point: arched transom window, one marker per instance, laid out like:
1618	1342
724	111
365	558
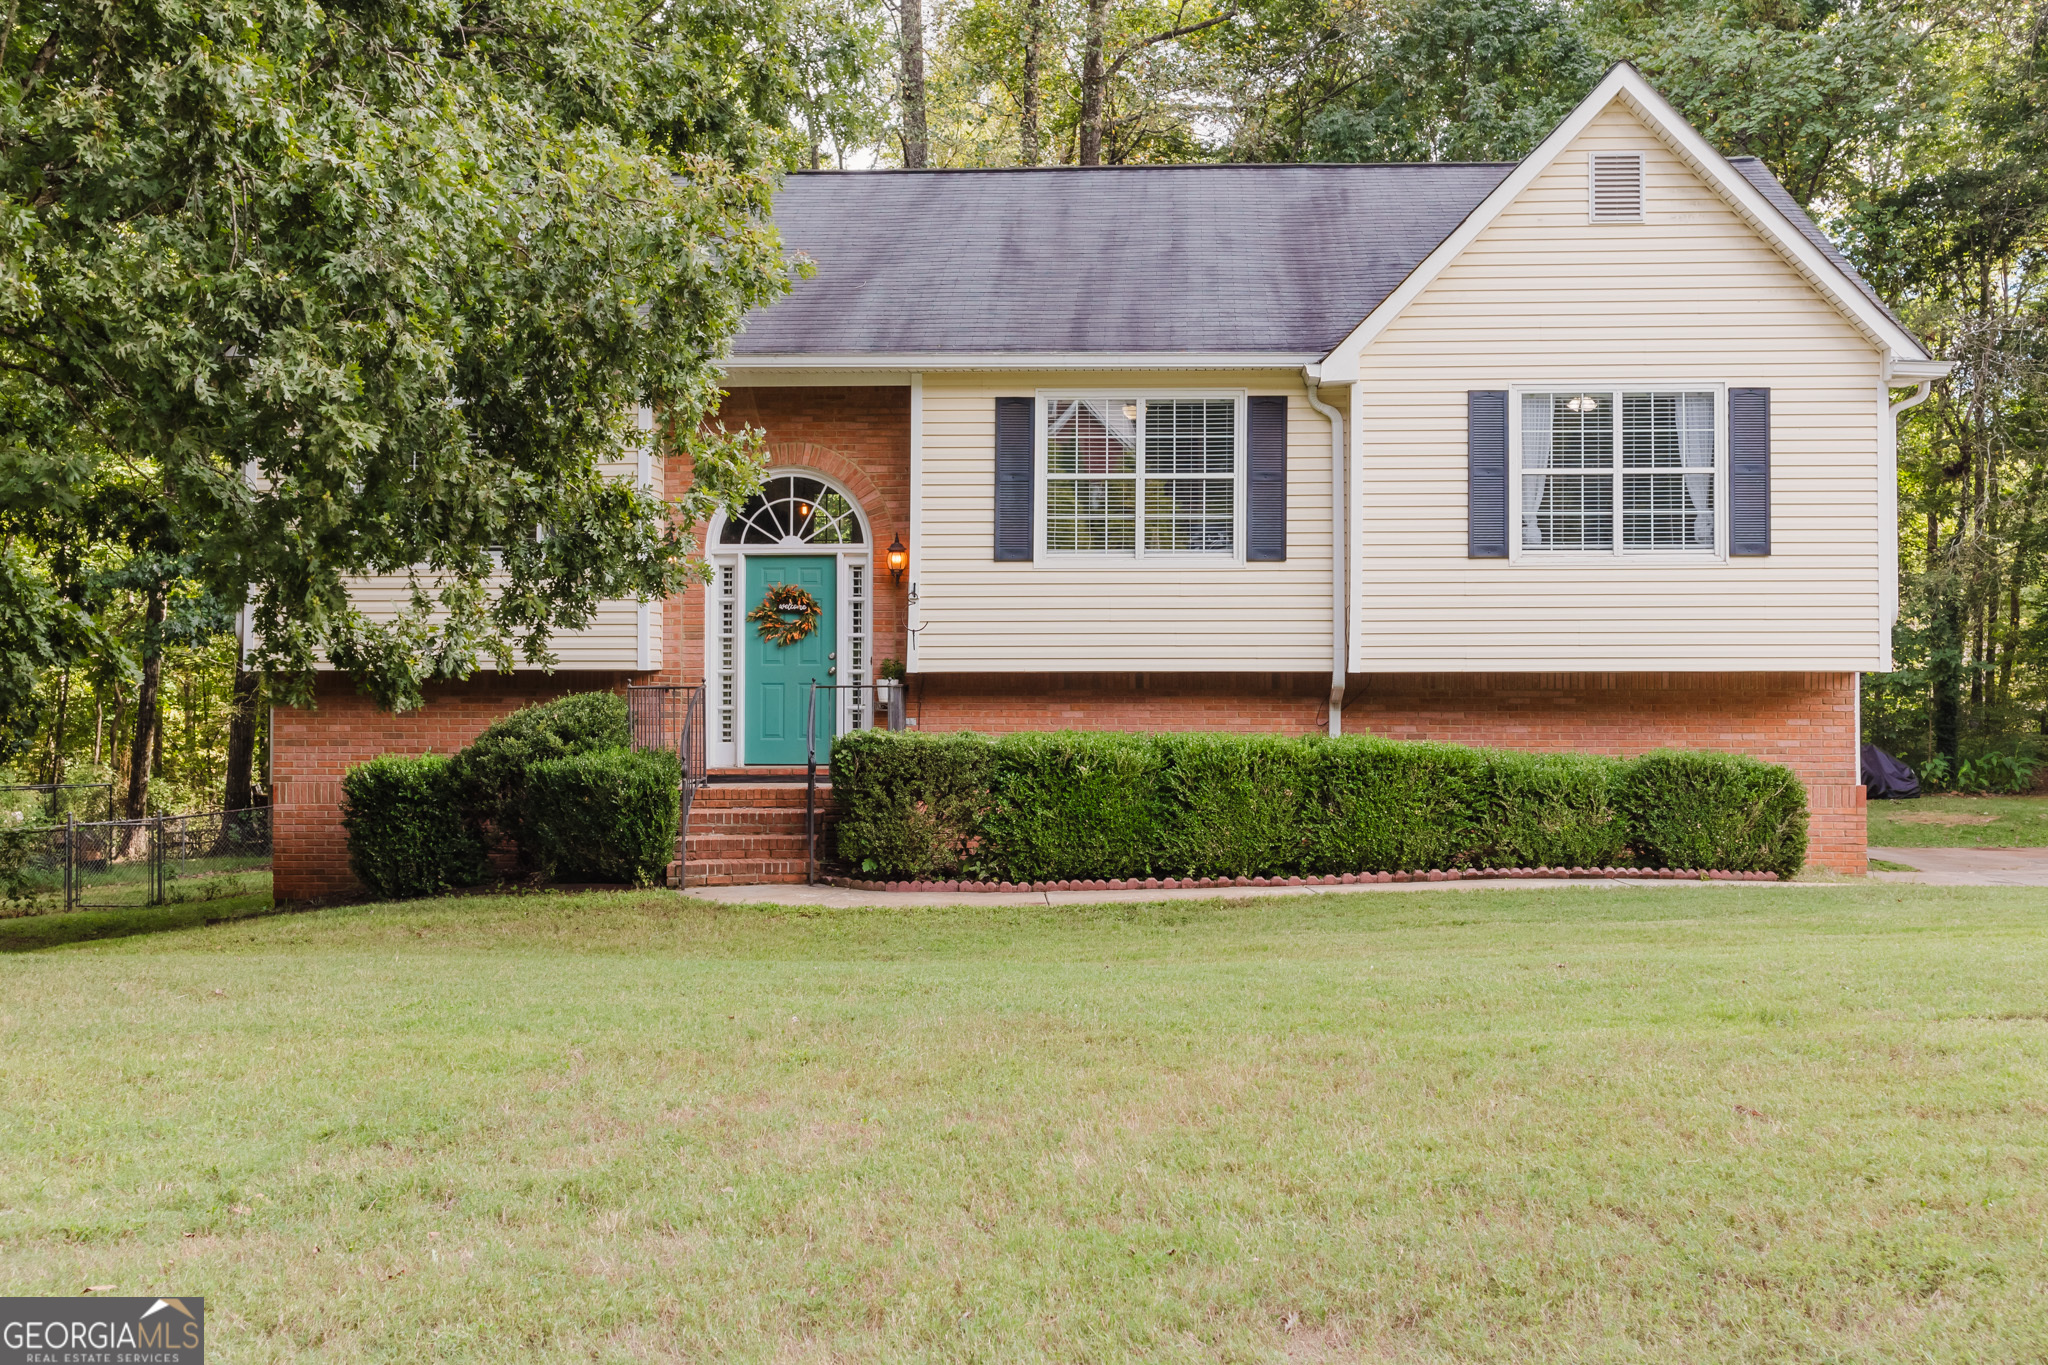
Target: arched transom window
794	507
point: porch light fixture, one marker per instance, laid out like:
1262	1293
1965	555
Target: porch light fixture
899	560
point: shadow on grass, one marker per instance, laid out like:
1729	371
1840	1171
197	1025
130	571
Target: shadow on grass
30	932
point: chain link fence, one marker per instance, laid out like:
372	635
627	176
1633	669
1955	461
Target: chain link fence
117	864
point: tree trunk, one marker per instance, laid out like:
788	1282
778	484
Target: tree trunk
146	706
57	733
1945	668
1027	117
916	146
1093	82
240	793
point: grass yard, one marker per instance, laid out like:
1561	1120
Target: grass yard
1725	1123
1960	822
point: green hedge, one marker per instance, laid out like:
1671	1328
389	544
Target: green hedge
1057	807
1691	809
609	816
406	836
490	776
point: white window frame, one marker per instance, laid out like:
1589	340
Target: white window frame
1518	551
1176	559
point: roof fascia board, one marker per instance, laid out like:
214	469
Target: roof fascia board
1624	81
1084	360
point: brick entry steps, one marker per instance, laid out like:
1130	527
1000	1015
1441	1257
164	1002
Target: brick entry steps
750	833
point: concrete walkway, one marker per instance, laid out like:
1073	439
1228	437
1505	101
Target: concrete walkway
1965	866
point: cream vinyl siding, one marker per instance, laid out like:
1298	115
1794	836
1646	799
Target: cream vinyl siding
1690	296
1177	614
611	643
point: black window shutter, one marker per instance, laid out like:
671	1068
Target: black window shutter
1749	471
1013	478
1266	495
1486	474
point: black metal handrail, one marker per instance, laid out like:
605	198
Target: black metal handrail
671	716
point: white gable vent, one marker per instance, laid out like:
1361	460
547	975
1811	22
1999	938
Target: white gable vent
1615	181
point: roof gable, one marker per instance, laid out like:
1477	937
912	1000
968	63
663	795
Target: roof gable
1774	216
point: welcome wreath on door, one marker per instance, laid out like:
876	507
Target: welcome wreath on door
787	614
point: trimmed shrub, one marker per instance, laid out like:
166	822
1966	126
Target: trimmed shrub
405	836
1386	806
1552	810
1235	805
606	816
1075	804
915	805
490	776
1719	811
1072	805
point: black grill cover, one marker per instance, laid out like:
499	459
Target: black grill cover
1886	778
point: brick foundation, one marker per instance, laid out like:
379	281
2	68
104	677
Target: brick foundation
997	703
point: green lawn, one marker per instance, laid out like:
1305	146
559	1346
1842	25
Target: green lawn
1960	822
1724	1123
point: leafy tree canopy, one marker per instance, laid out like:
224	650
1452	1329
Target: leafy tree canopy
368	287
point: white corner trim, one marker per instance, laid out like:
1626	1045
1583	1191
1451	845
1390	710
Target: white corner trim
913	615
1626	83
645	625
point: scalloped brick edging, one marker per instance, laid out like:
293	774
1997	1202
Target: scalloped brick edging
1348	879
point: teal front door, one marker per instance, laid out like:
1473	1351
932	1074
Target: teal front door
779	677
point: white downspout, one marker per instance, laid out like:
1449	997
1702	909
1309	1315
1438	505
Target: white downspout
1339	656
1890	496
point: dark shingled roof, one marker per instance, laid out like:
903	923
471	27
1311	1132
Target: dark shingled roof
1130	258
1162	259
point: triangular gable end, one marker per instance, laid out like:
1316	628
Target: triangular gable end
1626	84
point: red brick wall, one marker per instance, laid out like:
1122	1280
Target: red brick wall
996	703
314	747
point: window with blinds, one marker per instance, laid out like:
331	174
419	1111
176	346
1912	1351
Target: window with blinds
1142	476
1619	471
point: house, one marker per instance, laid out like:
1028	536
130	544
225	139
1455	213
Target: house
1590	451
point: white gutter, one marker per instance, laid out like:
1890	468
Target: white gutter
1339	657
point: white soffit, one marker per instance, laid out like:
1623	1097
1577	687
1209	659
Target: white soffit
1625	83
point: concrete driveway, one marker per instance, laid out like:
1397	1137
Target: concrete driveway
1966	866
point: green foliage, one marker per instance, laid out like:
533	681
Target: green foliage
420	266
405	837
609	815
2006	773
1554	810
1707	810
913	804
1054	807
1461	80
490	776
24	832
